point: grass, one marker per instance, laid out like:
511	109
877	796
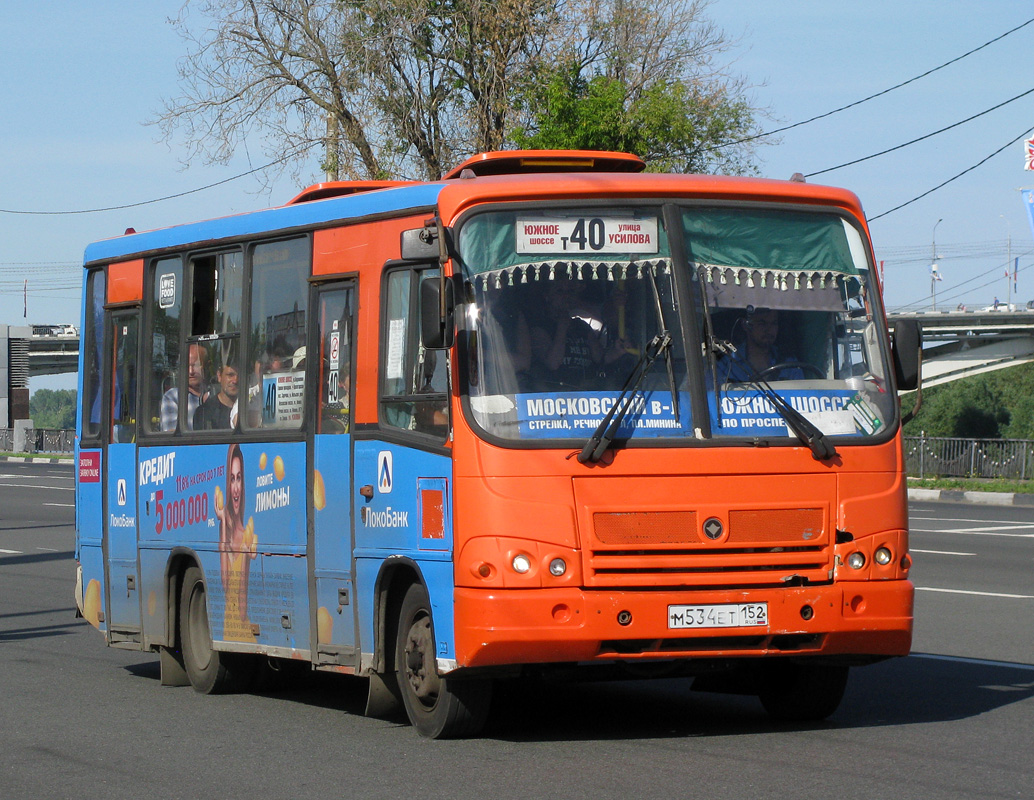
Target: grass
973	484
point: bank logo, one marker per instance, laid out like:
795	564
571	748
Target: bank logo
384	476
121	491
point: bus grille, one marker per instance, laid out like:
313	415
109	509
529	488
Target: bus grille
759	547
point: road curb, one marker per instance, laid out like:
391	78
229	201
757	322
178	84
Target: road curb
977	498
36	460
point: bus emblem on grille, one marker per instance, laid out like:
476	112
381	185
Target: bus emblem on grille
713	528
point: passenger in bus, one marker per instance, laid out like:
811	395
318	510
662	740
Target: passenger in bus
215	412
566	348
757	352
197	368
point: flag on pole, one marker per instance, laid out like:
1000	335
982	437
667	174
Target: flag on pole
934	273
1028	154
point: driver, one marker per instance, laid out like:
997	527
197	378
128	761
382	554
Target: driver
758	353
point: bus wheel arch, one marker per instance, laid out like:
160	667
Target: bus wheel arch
439	707
210	671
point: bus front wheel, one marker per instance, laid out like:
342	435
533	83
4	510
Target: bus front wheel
799	692
439	708
208	670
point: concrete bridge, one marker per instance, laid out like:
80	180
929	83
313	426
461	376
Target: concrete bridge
957	344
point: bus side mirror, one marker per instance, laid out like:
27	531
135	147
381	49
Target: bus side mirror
437	323
907	348
419	244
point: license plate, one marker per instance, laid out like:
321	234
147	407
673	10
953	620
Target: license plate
724	615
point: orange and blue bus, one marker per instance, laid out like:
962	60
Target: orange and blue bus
550	414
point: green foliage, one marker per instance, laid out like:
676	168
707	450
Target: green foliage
673	125
994	405
53	408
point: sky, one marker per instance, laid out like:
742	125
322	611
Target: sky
79	81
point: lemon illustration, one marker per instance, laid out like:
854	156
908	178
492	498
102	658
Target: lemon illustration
250	539
92	603
324	625
262	461
319	493
218	498
278	468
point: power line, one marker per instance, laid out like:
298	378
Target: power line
954	177
921	138
872	96
280	160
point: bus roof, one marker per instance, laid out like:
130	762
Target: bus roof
413	197
325	204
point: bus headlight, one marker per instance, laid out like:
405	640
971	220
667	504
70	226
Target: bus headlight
557	567
521	563
856	560
883	556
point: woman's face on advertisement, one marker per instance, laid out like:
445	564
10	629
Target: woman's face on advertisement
236	484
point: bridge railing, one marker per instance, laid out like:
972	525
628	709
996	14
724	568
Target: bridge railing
938	457
39	440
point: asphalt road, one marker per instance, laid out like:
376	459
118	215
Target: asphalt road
954	720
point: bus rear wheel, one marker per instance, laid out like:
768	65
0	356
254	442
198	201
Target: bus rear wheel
796	692
439	708
208	670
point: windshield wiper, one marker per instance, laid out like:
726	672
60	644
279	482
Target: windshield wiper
803	428
667	349
608	427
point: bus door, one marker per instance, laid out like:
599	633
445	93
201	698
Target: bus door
331	573
120	523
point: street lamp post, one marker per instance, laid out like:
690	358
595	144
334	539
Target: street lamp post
933	264
1008	266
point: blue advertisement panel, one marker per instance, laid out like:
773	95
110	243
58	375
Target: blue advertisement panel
835	412
242	509
565	415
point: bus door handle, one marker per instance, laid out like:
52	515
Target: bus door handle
367	491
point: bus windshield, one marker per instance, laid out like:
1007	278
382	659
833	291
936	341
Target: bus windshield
571	312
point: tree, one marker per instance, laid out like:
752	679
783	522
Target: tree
406	88
53	409
643	78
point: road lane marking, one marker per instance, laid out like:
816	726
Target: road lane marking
10	552
979	594
983	662
975	532
60	505
939	552
39	486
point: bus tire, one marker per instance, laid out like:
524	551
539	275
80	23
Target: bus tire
209	670
795	692
439	708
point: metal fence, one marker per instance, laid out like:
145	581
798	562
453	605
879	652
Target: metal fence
925	456
40	440
933	457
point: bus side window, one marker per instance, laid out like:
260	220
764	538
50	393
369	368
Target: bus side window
161	394
276	366
415	393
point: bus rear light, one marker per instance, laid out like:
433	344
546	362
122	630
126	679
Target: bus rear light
856	560
883	556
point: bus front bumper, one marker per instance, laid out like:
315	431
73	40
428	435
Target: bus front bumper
506	627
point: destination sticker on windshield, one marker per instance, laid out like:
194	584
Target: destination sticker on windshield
586	235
